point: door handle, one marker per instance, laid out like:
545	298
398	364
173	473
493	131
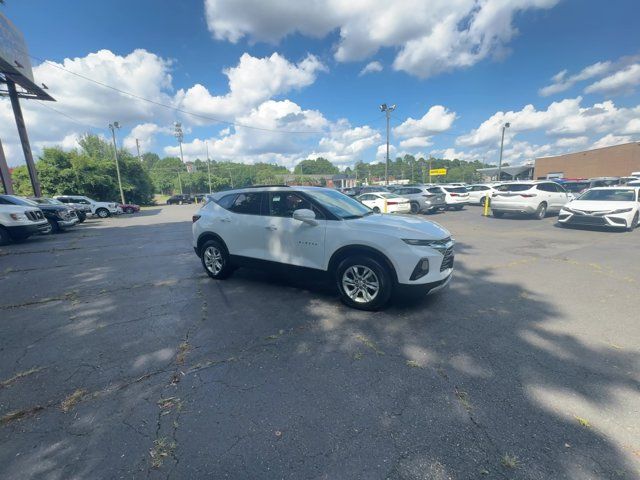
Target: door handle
271	227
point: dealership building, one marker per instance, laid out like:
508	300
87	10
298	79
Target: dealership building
615	161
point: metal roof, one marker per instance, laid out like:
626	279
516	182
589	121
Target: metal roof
513	171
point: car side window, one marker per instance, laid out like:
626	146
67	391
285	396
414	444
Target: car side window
227	201
435	190
411	191
283	204
248	203
560	188
546	187
63	200
366	197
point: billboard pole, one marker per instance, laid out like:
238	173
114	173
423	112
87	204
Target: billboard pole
24	138
5	176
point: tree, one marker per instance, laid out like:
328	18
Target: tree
318	166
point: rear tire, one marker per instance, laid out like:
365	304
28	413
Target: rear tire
102	212
5	238
376	210
363	283
541	211
415	208
215	260
498	214
128	210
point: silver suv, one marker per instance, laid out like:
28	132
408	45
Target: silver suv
422	199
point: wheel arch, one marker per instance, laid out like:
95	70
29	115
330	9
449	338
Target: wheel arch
356	249
205	237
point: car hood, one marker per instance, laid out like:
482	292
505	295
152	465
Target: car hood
599	206
404	227
52	208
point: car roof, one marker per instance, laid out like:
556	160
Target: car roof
618	187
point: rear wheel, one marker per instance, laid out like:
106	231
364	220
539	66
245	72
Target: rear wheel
363	283
102	212
128	210
541	211
5	238
376	210
215	260
415	208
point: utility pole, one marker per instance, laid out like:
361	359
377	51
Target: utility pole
504	127
138	149
208	166
113	126
387	110
177	132
429	169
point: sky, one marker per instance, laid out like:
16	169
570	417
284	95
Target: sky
282	80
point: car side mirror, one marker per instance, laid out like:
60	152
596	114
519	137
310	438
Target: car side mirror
305	215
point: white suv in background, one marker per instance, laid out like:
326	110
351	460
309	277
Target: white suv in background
18	223
367	254
535	198
455	196
101	209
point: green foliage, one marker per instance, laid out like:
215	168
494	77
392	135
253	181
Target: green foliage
315	167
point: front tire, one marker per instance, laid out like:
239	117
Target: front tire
102	212
363	283
541	211
215	260
5	238
128	210
634	223
415	208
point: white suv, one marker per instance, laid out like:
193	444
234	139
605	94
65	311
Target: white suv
535	198
18	223
365	253
101	209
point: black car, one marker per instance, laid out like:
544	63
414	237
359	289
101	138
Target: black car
59	217
179	199
80	212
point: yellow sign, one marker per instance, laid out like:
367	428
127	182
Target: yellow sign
434	172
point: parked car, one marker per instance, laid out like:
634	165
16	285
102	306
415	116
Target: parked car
18	222
455	197
385	202
129	207
615	207
604	182
421	199
536	198
479	193
366	255
179	199
576	186
80	211
100	209
60	217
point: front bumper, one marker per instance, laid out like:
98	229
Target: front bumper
609	221
405	259
67	223
430	288
31	229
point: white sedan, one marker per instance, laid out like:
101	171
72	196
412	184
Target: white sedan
616	207
385	202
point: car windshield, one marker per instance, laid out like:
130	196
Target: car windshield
514	187
456	189
22	201
609	195
339	204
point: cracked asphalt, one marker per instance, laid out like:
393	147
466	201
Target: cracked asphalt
527	367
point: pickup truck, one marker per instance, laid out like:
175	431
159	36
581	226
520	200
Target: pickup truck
19	223
100	209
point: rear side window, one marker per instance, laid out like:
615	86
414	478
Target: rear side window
411	191
515	187
456	189
247	203
547	187
434	190
227	201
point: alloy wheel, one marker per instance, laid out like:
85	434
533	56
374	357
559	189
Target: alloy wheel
360	283
213	260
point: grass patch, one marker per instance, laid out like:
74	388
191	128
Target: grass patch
19	375
370	344
413	364
162	448
18	414
72	400
510	461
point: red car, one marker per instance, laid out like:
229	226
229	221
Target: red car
129	207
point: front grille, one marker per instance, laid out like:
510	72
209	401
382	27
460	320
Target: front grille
34	215
447	261
587	220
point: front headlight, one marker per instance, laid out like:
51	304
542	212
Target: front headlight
19	217
622	210
421	243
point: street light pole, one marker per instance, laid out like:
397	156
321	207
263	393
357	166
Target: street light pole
177	132
138	149
113	126
504	127
387	110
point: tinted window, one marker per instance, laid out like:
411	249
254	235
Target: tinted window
247	203
515	187
64	200
227	201
412	191
456	189
338	204
367	196
283	204
434	190
575	186
547	187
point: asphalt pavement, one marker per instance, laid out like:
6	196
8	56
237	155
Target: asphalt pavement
122	359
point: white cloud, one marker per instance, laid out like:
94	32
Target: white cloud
610	140
371	67
346	144
572	142
145	133
451	154
437	120
622	81
432	37
415	142
562	83
381	153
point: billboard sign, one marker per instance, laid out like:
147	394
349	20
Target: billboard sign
14	56
434	172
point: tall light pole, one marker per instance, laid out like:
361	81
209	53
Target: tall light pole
138	149
504	127
113	126
177	132
208	166
387	110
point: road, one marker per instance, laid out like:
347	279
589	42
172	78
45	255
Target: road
122	359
